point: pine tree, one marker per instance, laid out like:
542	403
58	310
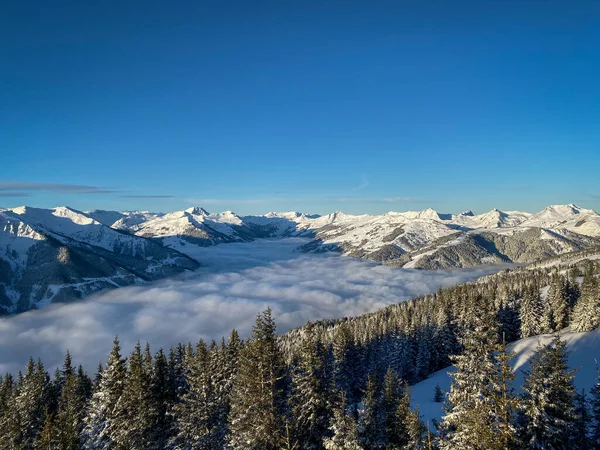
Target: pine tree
347	371
68	422
416	431
580	439
393	406
257	402
556	309
310	400
438	395
586	314
595	415
531	312
548	398
343	428
196	413
476	417
162	398
133	422
97	433
371	424
31	403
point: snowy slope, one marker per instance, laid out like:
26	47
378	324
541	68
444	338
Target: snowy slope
569	217
61	254
583	348
430	240
417	239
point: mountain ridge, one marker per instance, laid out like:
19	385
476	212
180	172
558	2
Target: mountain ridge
81	252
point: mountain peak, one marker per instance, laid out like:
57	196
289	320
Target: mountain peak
197	211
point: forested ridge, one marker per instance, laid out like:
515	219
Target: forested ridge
334	384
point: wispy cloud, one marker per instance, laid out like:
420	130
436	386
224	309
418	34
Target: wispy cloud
15	194
237	281
364	182
146	196
55	187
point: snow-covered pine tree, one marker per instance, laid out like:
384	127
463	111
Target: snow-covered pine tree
531	312
71	406
6	405
474	416
257	400
548	399
393	406
416	431
425	361
508	318
438	394
31	404
586	314
133	422
346	365
595	415
195	413
371	424
162	397
310	399
97	433
556	308
580	439
343	429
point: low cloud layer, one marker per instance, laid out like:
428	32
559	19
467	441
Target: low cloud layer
236	283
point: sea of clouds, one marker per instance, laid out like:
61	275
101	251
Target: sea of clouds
236	282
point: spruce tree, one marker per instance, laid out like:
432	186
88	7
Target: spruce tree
595	415
310	399
101	414
394	406
531	312
31	403
371	425
475	415
196	413
548	399
580	439
71	406
416	432
438	394
343	429
556	309
586	314
133	421
257	401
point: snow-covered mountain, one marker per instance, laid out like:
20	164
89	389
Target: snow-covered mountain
415	239
59	254
431	240
62	254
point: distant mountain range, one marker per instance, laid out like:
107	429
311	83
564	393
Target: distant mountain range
61	254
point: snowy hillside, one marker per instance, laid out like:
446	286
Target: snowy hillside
416	239
431	240
61	254
117	248
583	348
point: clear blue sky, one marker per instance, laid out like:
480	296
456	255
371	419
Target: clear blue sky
317	106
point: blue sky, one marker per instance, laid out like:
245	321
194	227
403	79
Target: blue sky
316	106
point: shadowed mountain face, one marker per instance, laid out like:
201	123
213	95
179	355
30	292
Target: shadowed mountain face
60	254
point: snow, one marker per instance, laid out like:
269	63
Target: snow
583	352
